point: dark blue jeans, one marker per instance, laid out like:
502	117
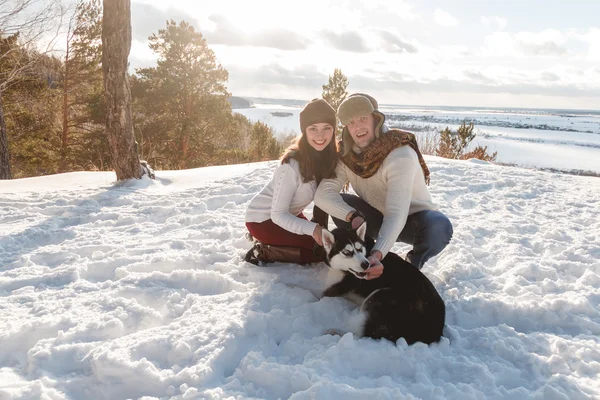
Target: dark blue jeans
428	231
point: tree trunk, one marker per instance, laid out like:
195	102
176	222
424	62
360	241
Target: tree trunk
185	135
184	147
65	131
116	43
4	153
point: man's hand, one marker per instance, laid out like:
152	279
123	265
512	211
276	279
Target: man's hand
355	218
356	222
318	235
376	268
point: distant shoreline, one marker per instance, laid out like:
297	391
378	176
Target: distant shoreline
577	172
576	111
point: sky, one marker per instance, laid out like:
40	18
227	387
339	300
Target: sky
526	53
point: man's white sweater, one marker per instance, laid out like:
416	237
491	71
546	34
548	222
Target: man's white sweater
283	199
397	190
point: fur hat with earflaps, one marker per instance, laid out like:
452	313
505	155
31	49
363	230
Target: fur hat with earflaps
357	105
317	111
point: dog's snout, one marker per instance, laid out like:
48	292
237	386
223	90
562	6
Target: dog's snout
364	265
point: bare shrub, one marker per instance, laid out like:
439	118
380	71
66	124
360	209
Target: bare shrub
453	144
428	142
480	153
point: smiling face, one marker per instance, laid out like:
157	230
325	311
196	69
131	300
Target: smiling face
319	135
362	130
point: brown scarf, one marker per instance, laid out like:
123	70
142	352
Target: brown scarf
369	160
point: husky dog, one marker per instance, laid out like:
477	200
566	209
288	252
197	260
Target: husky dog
401	303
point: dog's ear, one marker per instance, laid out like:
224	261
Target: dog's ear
328	240
362	230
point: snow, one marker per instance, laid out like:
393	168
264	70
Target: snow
140	291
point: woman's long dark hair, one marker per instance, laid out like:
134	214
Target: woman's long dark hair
314	164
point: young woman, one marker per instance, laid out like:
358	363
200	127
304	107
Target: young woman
274	216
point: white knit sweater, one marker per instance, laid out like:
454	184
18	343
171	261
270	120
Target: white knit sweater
397	190
283	198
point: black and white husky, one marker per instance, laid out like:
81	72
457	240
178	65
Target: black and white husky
401	303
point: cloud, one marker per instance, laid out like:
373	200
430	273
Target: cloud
346	41
224	33
549	76
147	19
495	23
280	39
307	80
398	8
141	56
477	76
450	86
227	34
592	38
499	44
466	87
306	76
453	51
369	40
544	49
394	44
549	42
443	18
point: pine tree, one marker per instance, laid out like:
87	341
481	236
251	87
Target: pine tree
334	92
29	109
28	22
81	83
32	108
263	145
8	59
183	100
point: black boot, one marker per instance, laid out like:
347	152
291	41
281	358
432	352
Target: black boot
252	255
268	253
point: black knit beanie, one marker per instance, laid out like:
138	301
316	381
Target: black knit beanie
317	111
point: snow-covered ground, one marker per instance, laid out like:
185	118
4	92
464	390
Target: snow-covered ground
567	140
140	291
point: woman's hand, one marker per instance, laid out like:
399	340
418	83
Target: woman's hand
318	235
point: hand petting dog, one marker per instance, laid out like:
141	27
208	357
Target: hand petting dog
376	268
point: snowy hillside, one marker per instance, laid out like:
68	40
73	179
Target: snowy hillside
140	290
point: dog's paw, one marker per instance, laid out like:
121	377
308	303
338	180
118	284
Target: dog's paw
334	332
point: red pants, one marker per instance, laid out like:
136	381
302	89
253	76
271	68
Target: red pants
268	232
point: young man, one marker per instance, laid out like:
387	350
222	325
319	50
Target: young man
387	171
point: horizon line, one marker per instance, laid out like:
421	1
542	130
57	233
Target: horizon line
595	110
